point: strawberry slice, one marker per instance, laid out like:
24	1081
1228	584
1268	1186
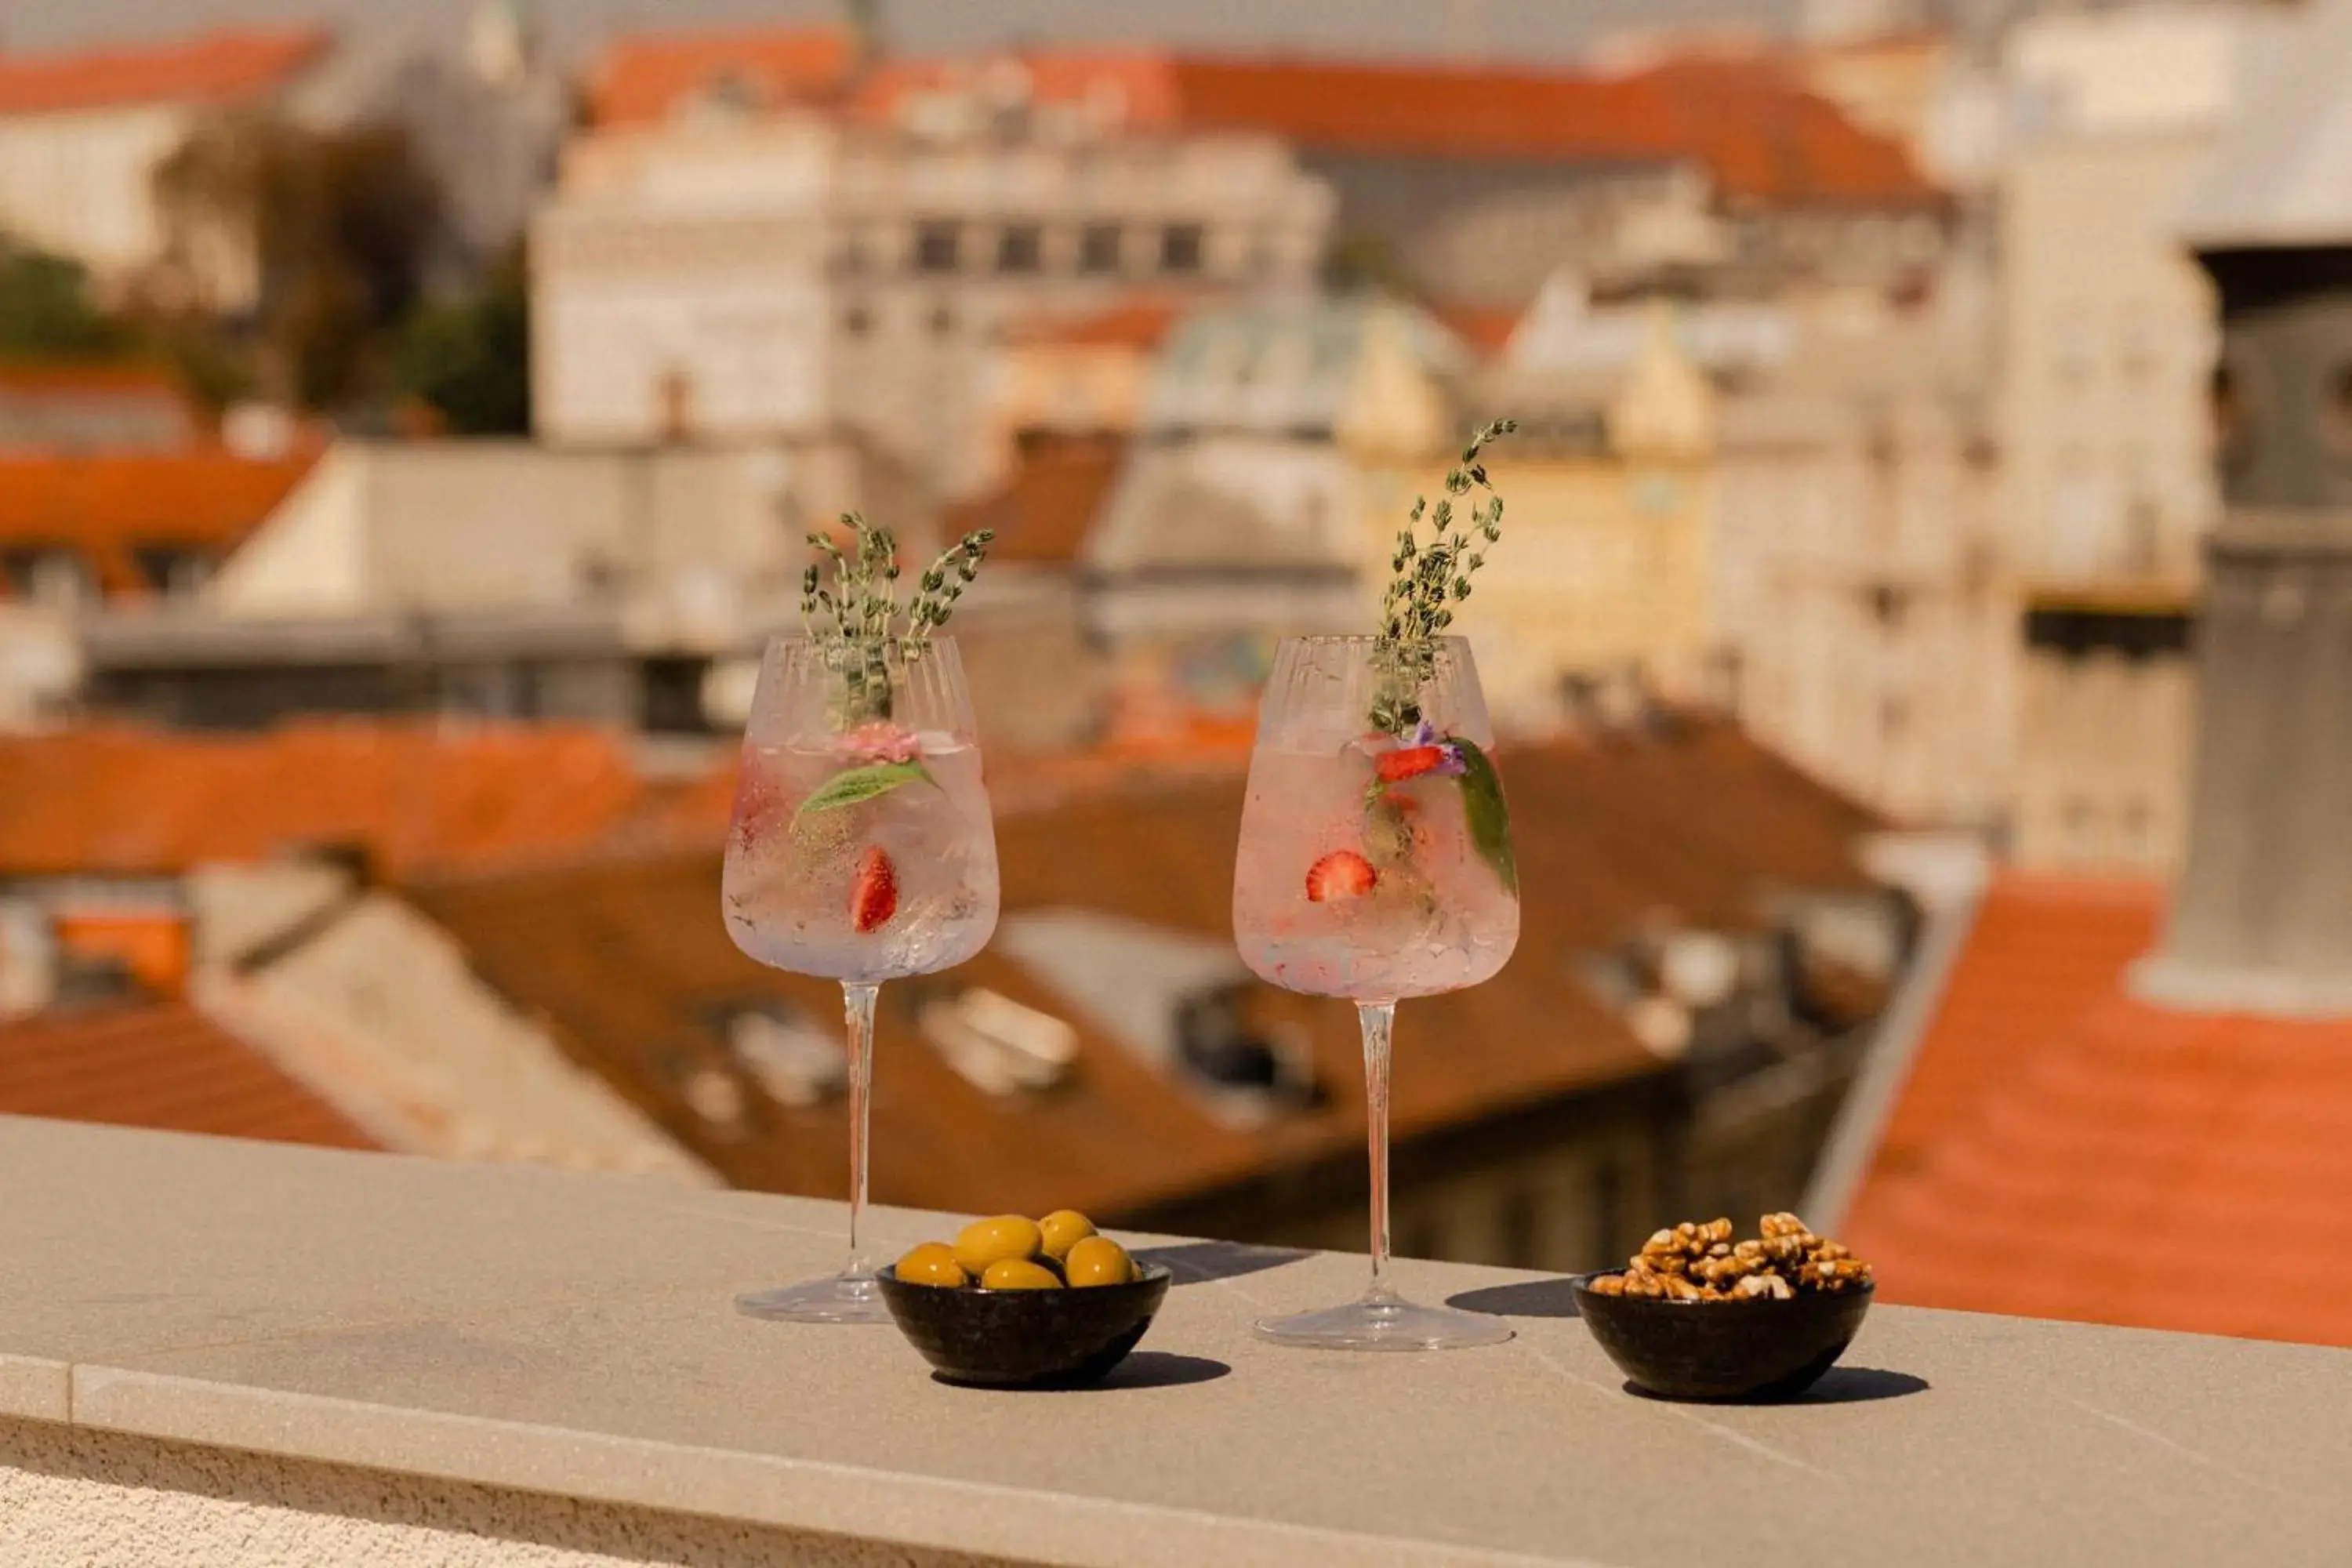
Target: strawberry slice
1395	767
874	896
1342	874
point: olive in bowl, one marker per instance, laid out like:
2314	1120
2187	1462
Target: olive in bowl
1028	1318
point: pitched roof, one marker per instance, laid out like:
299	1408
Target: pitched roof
164	1066
1758	132
106	505
2062	1150
212	68
1751	122
625	956
133	802
1047	505
644	77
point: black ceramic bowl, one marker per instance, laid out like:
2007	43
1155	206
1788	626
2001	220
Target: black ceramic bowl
1722	1349
1024	1339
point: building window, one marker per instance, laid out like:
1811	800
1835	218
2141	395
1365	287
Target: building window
173	571
2335	411
935	246
58	578
858	322
1180	248
676	395
1099	248
943	319
1019	248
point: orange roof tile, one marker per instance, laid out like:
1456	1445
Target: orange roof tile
1044	512
107	505
1483	328
623	957
131	802
166	1067
1760	133
2063	1151
1136	323
644	77
215	67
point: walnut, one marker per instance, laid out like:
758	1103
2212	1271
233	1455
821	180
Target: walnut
1609	1284
1762	1286
1702	1262
1835	1274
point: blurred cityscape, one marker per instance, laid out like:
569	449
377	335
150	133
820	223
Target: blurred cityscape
406	445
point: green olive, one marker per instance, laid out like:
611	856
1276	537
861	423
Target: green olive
987	1241
933	1263
1063	1229
1098	1260
1018	1274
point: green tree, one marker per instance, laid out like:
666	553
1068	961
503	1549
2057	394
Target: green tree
45	310
470	359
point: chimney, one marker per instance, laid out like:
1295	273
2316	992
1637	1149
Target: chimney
2262	917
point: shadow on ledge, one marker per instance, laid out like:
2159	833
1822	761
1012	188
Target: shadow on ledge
1144	1369
1528	1298
1839	1385
1198	1262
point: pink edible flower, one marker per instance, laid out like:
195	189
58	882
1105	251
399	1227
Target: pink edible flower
879	741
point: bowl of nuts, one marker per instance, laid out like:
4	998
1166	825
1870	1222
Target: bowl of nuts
1019	1303
1698	1315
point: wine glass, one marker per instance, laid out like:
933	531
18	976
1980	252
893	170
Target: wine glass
862	850
1375	864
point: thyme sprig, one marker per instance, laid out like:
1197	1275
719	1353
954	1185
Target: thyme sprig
855	621
1430	580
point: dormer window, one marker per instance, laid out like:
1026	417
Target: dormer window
997	1043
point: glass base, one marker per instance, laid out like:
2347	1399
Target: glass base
1385	1324
842	1299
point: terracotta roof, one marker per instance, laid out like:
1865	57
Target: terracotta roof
166	1067
1047	506
1759	133
644	77
105	506
50	406
214	68
624	957
131	802
1136	323
1484	328
2063	1151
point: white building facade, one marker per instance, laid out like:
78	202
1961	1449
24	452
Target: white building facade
717	276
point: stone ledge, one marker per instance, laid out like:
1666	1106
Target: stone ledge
572	1336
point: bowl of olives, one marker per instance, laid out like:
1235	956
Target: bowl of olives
1019	1303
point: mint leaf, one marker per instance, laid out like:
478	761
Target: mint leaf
1489	819
852	785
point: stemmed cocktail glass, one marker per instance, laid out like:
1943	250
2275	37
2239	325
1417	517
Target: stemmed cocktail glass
1375	864
861	850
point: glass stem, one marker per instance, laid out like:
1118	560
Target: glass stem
857	1008
1378	1020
